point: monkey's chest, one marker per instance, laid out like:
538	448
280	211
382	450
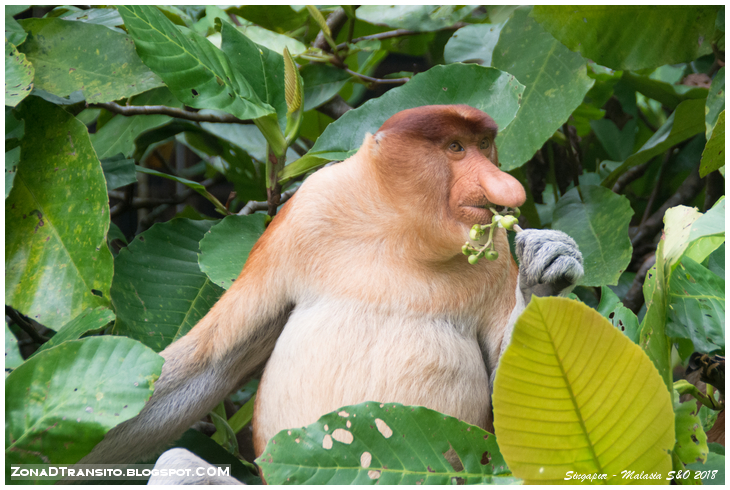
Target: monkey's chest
341	354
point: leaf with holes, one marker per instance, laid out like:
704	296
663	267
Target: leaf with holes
384	444
159	291
57	262
88	321
495	92
598	221
70	56
573	394
659	34
60	403
225	247
199	74
697	306
556	80
691	445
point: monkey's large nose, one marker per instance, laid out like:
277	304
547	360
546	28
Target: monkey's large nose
500	187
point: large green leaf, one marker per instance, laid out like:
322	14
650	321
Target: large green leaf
13	359
572	394
57	262
414	17
225	247
60	403
668	94
70	56
686	121
159	292
473	44
279	18
119	171
697	306
321	83
690	233
715	101
119	133
384	444
493	91
261	67
87	321
13	32
713	156
598	221
555	81
199	74
632	36
18	75
652	337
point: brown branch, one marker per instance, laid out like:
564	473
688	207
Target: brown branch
335	21
573	148
632	174
253	206
685	193
398	33
335	108
376	81
146	110
634	297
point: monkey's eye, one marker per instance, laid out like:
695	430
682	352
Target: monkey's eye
455	146
484	144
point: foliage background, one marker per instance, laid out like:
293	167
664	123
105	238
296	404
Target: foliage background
146	146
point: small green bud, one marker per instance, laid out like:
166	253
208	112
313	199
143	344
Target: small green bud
465	249
492	255
516	213
508	222
473	259
496	217
476	232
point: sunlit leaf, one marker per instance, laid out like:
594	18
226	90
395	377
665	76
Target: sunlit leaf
57	262
385	444
18	75
574	394
691	445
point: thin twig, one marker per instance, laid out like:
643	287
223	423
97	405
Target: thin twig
335	108
376	81
632	174
335	21
253	206
146	110
573	147
634	297
398	33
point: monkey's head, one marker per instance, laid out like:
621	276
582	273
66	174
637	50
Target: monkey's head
442	159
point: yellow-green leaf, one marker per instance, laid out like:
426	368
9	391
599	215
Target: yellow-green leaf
292	83
319	19
574	394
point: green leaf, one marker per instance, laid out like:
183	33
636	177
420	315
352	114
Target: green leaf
652	337
713	156
88	320
598	221
686	121
697	306
12	159
715	101
197	73
490	90
57	262
261	67
272	40
60	403
691	445
385	444
668	94
626	321
225	247
713	469
119	171
118	134
573	394
101	16
716	262
473	44
677	228
618	143
609	302
196	186
14	34
659	34
414	17
279	18
159	292
70	56
555	79
321	83
13	359
707	233
18	75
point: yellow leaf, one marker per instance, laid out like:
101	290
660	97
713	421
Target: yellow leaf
572	393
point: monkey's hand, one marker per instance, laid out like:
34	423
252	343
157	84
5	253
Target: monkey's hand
550	263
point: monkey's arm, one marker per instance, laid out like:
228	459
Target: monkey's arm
201	368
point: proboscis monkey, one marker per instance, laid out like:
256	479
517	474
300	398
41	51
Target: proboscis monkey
358	291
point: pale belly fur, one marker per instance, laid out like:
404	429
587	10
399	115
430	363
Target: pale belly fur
346	353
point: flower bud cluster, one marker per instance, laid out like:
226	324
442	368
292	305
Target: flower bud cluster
507	219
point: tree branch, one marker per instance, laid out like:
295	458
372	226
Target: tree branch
398	33
384	81
634	297
335	21
253	206
146	110
335	108
632	174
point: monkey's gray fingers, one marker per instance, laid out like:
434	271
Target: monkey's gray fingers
185	468
550	262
